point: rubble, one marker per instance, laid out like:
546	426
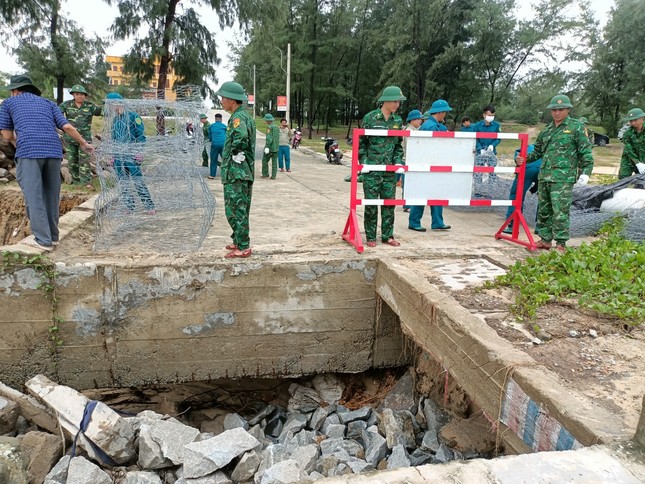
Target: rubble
8	416
42	451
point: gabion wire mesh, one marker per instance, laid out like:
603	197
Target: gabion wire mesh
153	196
584	222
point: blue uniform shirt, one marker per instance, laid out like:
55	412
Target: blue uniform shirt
128	128
493	127
217	133
469	129
34	119
432	124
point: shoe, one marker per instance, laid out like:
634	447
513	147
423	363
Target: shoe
288	171
34	243
445	227
418	229
406	209
243	254
282	170
231	247
371	243
211	177
265	176
392	242
543	244
55	243
272	178
508	230
560	248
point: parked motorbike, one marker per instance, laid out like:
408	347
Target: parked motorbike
332	150
297	137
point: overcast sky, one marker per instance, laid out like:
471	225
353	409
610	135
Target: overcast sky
96	17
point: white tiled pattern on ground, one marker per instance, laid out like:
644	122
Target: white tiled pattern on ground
458	274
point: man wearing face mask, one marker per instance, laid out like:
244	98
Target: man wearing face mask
487	125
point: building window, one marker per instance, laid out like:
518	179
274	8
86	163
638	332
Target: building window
115	68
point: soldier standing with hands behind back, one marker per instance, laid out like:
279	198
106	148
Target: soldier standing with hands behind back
271	148
565	151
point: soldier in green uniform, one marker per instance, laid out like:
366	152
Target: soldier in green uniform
271	148
381	150
585	122
79	113
633	159
566	156
238	164
205	125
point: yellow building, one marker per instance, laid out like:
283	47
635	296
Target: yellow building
116	77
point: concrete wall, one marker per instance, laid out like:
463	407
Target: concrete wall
131	325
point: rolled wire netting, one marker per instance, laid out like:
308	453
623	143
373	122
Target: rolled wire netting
153	195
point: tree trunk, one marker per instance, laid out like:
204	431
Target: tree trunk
56	47
164	62
312	77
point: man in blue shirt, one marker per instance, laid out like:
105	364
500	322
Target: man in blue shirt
466	126
487	125
217	137
435	115
530	183
39	153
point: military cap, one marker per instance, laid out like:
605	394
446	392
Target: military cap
21	81
392	93
203	116
560	102
232	90
269	117
77	88
414	114
635	114
439	106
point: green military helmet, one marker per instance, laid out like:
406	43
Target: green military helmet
635	113
269	117
77	88
232	90
583	120
203	116
392	93
560	102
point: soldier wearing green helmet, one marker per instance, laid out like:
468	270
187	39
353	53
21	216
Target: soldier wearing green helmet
271	147
238	167
590	135
381	150
632	160
566	156
79	112
205	127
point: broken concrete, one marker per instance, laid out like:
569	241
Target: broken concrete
12	466
82	471
8	416
42	451
31	409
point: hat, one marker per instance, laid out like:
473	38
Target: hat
232	90
269	117
113	95
414	114
560	102
635	113
439	106
77	88
203	116
392	93
21	81
583	120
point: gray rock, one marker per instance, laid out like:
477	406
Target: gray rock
216	478
329	446
215	426
270	456
360	414
315	475
305	437
9	413
375	447
275	422
398	458
141	477
41	450
306	457
573	333
303	399
161	443
234	421
341	469
329	387
401	396
593	333
202	458
334	431
398	428
341	409
355	429
262	414
58	475
318	417
82	471
326	464
247	466
430	441
330	420
257	432
444	454
435	417
359	465
294	424
283	472
374	419
12	466
421	457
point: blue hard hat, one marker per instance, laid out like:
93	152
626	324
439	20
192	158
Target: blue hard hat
113	95
414	114
439	106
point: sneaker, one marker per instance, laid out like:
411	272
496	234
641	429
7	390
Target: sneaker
55	243
508	230
34	243
282	169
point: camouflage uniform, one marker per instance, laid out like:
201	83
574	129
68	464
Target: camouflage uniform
205	151
380	150
272	142
78	161
633	152
566	153
237	178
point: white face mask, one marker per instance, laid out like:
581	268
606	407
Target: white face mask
489	119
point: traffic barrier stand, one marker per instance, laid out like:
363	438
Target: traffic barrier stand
352	231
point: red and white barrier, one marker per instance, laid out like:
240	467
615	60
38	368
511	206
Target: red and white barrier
352	233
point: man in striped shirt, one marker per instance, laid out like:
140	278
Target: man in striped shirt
30	122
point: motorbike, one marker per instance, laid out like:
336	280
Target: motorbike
297	136
332	150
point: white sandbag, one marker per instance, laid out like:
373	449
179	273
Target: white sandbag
625	199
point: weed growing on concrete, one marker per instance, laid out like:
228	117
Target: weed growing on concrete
607	276
13	261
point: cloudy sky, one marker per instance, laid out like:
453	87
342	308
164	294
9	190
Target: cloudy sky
96	16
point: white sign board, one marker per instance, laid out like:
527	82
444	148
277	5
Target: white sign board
422	153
